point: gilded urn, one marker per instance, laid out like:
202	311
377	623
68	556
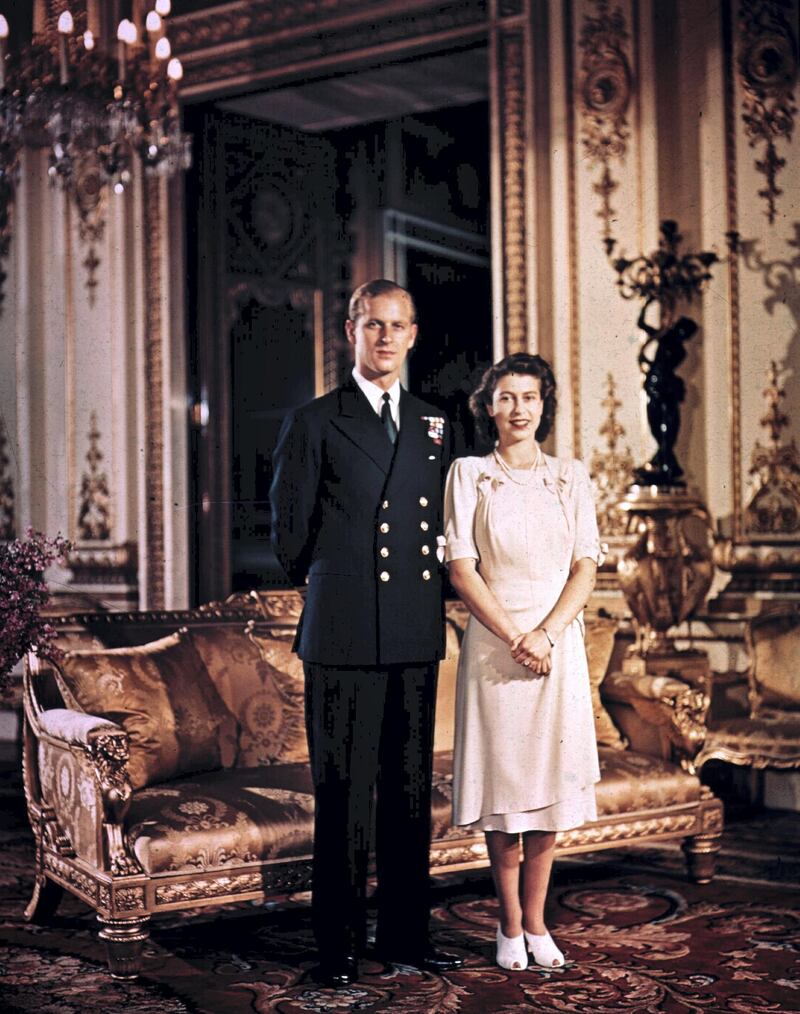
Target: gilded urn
668	570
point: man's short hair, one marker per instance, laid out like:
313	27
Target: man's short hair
378	287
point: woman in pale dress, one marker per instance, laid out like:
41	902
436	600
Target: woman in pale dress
522	549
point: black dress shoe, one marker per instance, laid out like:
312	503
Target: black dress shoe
431	959
338	972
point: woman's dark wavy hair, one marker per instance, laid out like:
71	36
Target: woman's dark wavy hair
520	363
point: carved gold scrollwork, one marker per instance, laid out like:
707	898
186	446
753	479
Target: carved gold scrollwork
472	854
596	834
768	65
7	523
512	74
52	834
270	605
109	754
612	468
224	44
774	507
82	882
688	730
89	191
94	514
110	758
605	91
128	899
104	564
154	211
211	888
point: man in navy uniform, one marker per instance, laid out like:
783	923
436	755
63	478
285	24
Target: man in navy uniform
356	509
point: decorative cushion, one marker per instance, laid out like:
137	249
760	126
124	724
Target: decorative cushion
223	819
600	635
261	680
161	694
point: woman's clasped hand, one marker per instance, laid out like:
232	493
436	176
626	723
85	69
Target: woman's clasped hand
533	650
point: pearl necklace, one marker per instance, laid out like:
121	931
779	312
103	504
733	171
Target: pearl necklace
529	472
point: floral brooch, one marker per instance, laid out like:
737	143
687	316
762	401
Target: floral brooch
492	480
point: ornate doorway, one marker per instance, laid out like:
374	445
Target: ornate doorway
290	216
267	266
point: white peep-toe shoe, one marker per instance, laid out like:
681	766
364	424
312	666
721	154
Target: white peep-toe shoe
544	950
511	952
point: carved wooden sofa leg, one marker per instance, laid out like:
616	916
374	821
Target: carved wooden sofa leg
124	939
701	856
46	898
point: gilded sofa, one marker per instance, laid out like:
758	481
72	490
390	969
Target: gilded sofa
165	764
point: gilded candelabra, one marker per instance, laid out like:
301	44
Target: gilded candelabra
668	570
665	279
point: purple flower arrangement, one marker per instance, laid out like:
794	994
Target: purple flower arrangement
23	595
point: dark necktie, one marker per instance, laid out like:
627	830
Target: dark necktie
386	419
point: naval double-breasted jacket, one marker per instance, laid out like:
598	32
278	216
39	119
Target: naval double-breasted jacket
357	519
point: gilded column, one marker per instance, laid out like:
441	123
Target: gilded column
510	77
154	212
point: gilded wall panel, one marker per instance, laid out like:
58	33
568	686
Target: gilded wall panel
513	145
763	64
606	219
240	46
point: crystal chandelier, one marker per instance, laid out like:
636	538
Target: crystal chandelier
99	92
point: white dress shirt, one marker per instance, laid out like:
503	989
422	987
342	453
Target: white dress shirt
375	395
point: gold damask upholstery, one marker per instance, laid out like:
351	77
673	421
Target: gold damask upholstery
770	736
599	639
222	819
68	784
175	774
162	696
629	783
260	679
633	782
773	639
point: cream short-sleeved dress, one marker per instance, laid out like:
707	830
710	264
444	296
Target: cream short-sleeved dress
525	749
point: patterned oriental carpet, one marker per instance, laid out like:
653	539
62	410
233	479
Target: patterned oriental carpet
638	938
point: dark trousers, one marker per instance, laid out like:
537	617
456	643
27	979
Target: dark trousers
370	735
